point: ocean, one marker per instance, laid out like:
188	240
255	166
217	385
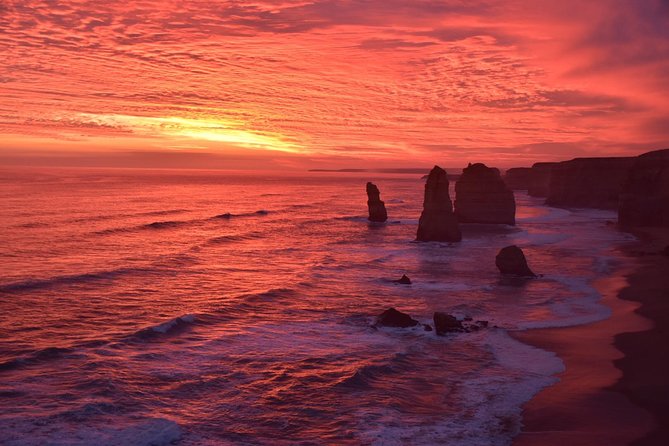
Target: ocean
157	307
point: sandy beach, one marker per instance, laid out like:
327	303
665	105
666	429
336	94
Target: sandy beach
614	388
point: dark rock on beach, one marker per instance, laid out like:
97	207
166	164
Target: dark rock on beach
644	200
511	260
482	197
588	182
446	323
404	280
393	318
437	221
377	208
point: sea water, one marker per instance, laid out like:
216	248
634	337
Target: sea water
155	307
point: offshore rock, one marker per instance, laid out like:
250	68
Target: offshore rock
393	318
437	221
644	200
377	208
482	197
588	182
445	323
511	260
518	178
404	280
540	179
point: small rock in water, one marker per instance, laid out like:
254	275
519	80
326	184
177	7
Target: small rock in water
511	260
445	323
427	327
404	280
393	318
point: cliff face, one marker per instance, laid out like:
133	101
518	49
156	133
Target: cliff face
437	221
376	207
588	182
518	178
540	179
644	200
482	197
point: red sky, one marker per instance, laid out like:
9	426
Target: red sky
298	84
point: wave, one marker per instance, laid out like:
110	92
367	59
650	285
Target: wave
364	377
163	224
173	326
172	224
229	215
44	354
36	284
222	239
135	214
156	225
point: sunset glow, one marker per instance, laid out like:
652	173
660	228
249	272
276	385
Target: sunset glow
342	83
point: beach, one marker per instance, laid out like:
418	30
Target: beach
614	388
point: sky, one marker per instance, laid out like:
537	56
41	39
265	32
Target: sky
295	84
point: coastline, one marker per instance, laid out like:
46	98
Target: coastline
614	388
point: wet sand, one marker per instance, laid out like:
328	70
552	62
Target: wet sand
614	390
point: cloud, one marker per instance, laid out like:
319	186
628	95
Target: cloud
369	79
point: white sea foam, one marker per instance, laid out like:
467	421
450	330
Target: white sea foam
150	432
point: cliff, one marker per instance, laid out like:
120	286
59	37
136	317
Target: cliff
482	197
540	179
644	200
588	182
518	178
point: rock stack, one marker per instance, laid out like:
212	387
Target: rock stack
377	208
482	197
644	200
511	260
437	221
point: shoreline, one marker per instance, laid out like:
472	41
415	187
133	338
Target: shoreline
614	387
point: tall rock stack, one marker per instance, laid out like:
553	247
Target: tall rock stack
437	221
588	182
644	200
540	179
377	208
481	196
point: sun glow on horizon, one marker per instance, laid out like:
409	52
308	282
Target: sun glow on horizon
204	129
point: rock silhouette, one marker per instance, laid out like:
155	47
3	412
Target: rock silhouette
437	221
404	280
511	260
518	178
393	318
377	208
540	179
482	197
445	323
644	200
588	182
